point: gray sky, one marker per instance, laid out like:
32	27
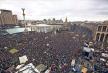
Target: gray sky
59	9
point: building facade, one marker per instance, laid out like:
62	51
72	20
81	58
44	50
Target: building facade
102	33
66	25
44	27
6	17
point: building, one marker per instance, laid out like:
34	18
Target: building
15	20
66	25
92	26
6	17
102	33
44	27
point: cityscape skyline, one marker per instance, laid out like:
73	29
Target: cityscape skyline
74	10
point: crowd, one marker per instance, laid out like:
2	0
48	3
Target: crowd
41	48
55	50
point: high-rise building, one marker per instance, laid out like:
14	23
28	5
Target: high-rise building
6	17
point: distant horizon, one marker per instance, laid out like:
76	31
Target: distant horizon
74	10
57	18
68	20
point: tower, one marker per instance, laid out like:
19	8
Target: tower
66	24
66	20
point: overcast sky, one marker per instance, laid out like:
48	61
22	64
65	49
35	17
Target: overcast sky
59	9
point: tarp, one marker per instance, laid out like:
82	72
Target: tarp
30	68
19	66
41	67
23	59
13	51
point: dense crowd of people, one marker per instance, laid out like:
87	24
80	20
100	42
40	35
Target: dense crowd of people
55	50
41	48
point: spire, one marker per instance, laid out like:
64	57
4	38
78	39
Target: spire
66	20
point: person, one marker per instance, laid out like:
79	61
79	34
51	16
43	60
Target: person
84	69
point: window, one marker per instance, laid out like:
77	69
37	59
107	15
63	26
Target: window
97	36
102	37
99	28
104	28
